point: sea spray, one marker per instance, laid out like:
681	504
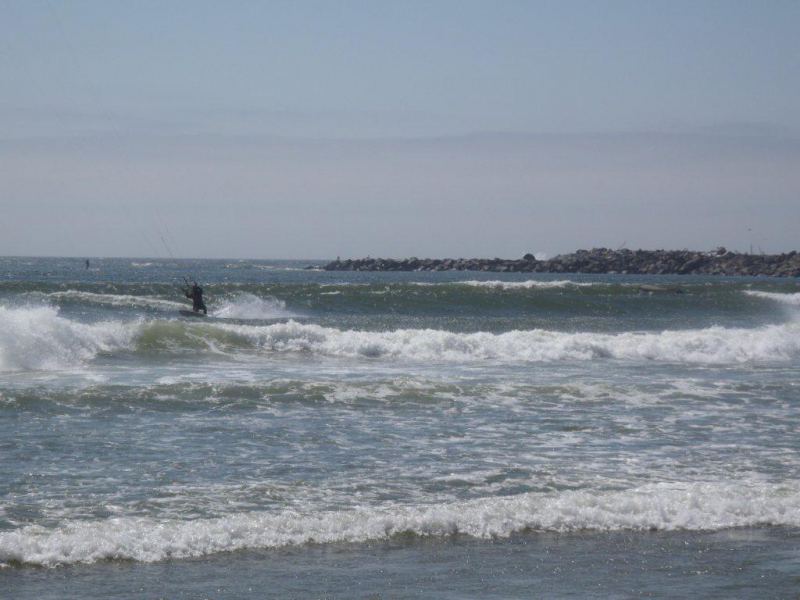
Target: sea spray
37	338
250	306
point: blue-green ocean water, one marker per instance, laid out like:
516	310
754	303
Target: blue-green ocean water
395	435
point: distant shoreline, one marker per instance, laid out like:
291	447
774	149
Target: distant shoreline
598	260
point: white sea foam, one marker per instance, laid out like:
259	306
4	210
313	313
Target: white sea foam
250	306
37	338
118	299
279	268
790	299
662	507
527	284
714	345
511	285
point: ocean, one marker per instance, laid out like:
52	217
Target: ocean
395	435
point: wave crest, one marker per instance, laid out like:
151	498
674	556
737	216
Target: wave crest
785	298
124	300
37	338
527	284
661	507
250	306
714	345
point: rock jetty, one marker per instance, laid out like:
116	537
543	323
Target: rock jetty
598	260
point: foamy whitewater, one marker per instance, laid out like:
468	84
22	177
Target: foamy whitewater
661	506
527	284
396	421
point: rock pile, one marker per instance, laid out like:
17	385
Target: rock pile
598	260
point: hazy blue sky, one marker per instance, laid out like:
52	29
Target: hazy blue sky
316	129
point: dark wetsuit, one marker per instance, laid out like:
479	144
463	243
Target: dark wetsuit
196	294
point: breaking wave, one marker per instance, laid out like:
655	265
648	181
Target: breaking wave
790	299
250	306
661	507
496	284
38	338
126	300
714	345
528	284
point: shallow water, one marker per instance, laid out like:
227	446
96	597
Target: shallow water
402	434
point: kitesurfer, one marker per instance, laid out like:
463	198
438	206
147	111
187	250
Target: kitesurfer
195	293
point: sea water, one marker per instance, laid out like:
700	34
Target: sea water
394	435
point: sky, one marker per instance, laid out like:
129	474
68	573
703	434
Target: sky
439	128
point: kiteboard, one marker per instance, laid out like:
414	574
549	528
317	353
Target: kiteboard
191	313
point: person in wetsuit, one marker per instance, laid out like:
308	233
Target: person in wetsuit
195	292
